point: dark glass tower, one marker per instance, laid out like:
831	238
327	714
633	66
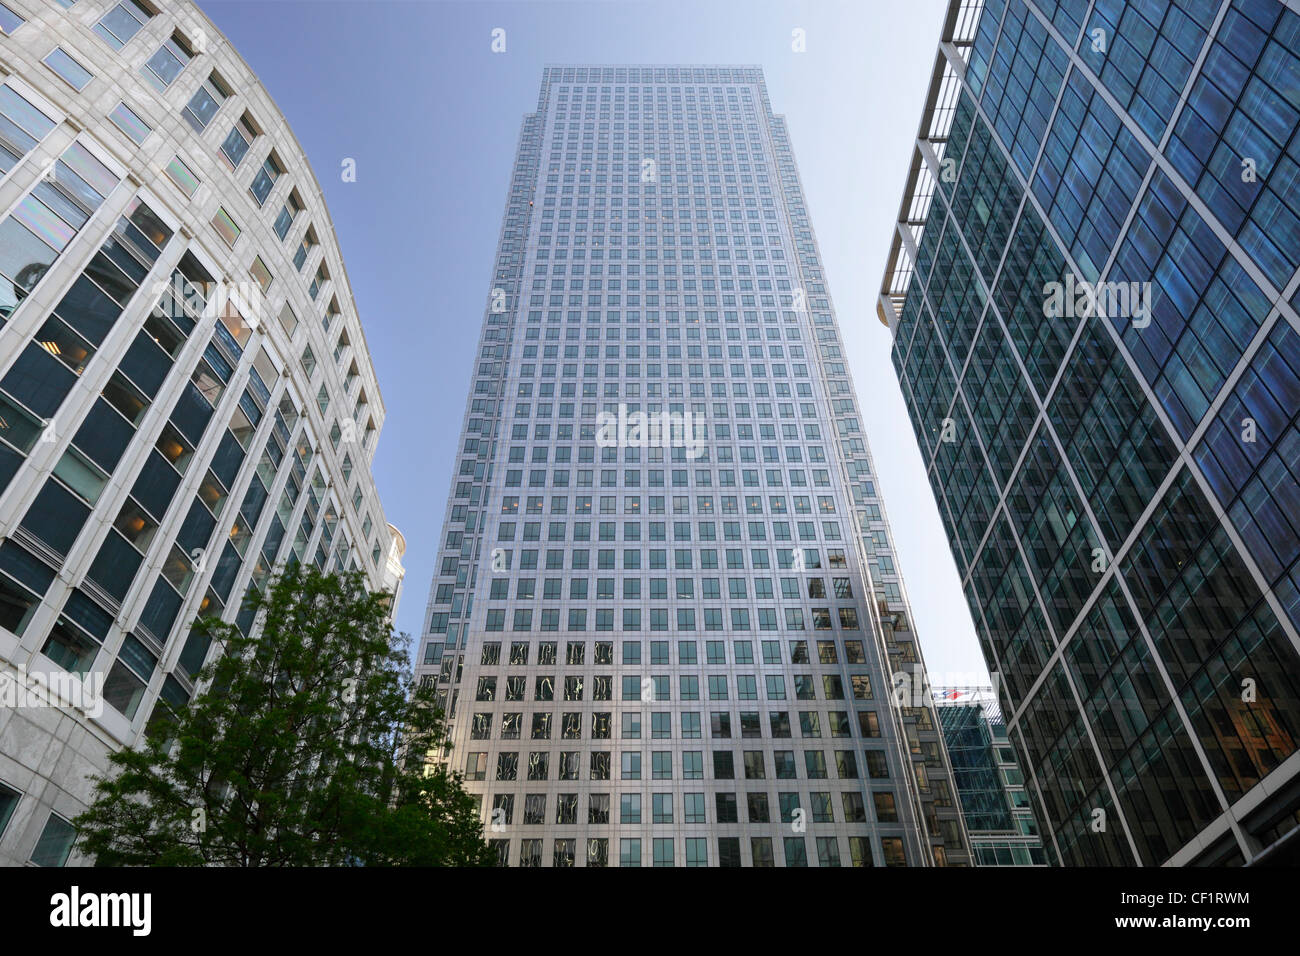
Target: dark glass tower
675	655
1119	483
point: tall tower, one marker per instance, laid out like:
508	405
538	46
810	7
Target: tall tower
676	648
186	399
1093	298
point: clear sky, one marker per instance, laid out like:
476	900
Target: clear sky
411	90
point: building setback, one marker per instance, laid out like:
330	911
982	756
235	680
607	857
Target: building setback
186	398
1119	483
674	651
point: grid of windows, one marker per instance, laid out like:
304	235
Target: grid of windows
685	609
1121	488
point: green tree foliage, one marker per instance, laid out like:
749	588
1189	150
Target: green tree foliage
308	748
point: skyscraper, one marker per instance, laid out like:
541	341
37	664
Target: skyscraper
1093	299
186	398
673	643
990	785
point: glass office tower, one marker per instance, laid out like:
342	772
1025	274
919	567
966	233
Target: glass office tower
990	784
186	398
1118	477
674	648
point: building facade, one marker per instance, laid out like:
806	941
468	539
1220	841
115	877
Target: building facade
1093	298
674	646
186	398
990	784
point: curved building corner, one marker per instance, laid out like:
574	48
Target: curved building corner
186	396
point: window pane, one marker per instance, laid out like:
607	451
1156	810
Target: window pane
203	105
182	176
9	22
55	844
125	119
225	227
9	798
121	23
76	75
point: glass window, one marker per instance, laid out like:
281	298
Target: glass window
125	119
183	177
166	64
892	849
9	798
225	227
121	23
123	690
17	605
68	69
629	852
237	142
22	126
9	21
205	102
697	853
55	844
261	273
292	206
265	179
629	808
663	851
79	474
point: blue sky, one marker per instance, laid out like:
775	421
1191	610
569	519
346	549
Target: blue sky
412	91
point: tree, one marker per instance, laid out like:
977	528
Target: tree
309	747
